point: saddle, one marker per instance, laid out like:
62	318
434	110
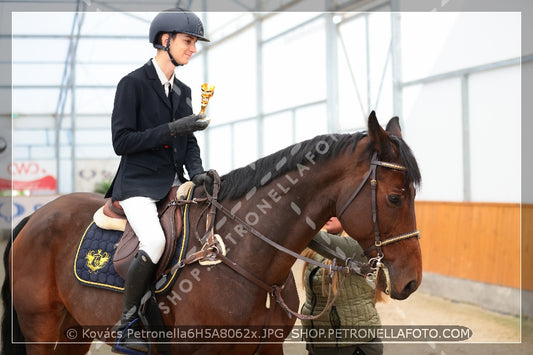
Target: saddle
111	216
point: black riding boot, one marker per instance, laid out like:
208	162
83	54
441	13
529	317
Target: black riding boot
140	274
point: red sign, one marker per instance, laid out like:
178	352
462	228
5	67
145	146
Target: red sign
30	175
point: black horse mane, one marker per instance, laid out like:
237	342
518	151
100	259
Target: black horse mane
240	181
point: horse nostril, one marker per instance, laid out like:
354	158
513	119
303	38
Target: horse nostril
409	288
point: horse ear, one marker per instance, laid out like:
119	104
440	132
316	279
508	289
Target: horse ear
379	138
393	127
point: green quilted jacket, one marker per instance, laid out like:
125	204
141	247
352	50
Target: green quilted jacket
354	306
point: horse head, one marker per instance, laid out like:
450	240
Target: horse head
386	231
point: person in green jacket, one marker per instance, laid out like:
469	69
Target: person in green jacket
332	333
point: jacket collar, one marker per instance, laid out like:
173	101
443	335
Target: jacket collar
151	74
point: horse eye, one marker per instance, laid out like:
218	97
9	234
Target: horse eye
395	199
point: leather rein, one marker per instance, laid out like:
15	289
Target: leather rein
211	251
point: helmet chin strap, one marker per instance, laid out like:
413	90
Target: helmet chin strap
167	49
176	64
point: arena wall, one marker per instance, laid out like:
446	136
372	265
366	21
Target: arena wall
472	250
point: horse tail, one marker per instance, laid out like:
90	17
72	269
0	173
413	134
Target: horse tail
11	332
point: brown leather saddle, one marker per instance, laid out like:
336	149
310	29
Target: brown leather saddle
171	222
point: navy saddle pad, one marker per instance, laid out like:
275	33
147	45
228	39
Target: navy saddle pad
93	263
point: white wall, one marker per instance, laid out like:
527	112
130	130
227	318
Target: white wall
287	98
465	128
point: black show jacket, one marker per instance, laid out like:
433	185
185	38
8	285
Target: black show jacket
150	156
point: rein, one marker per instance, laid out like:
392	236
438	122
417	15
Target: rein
211	250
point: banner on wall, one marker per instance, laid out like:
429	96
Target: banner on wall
91	173
32	176
13	210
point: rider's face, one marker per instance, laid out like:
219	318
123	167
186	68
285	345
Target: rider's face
182	47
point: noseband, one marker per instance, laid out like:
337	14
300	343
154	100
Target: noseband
375	262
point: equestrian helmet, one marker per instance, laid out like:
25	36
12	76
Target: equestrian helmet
177	20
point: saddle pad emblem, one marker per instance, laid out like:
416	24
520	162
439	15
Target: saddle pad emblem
96	260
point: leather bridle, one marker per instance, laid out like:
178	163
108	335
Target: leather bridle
369	270
375	262
378	243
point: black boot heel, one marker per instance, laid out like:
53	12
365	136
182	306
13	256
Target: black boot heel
138	280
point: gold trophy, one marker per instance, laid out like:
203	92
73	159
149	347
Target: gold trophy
207	91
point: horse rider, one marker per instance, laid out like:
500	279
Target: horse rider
152	130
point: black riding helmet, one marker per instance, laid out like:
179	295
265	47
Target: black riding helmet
175	21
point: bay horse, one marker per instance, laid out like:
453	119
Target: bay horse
286	196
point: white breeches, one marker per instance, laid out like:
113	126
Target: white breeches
142	216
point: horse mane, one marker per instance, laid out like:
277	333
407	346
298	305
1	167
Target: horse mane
261	172
238	182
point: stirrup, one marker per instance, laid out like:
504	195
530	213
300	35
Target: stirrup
119	348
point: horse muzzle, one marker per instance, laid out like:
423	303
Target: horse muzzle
398	288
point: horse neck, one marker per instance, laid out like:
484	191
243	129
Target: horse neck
289	210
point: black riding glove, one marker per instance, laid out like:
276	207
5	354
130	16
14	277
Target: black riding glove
202	178
188	124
